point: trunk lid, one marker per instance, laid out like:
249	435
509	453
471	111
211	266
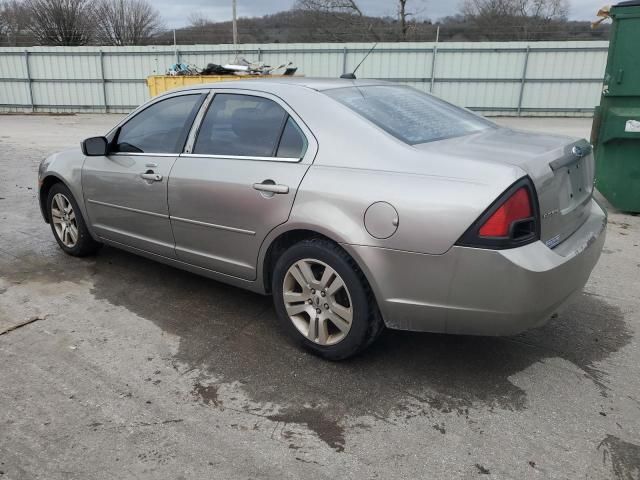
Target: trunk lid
561	168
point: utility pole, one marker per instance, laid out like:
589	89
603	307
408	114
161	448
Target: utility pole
175	46
235	27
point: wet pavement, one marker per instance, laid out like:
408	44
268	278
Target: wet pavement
125	368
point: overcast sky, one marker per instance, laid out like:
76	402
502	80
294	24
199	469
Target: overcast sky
176	13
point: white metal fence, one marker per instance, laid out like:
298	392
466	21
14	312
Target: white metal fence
499	78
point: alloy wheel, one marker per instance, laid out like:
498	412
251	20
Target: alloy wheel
317	301
64	220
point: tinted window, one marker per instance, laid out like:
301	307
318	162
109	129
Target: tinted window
408	114
241	125
161	128
293	143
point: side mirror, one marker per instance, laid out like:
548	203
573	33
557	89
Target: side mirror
95	146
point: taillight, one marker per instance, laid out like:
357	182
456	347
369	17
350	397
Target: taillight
516	208
511	221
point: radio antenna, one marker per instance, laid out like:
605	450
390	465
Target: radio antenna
352	75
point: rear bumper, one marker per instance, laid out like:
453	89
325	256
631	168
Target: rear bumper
479	291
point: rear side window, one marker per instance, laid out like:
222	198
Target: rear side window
161	128
408	114
248	126
293	143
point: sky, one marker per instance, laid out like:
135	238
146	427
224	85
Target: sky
176	13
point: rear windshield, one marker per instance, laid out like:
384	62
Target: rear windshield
408	114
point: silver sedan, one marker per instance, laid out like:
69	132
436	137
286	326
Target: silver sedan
356	204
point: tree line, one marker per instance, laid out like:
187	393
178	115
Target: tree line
78	22
137	22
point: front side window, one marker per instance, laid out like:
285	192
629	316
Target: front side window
248	126
161	128
408	114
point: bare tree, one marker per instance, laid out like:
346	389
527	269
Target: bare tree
202	29
198	20
340	19
404	18
349	7
494	9
13	21
543	9
515	19
126	22
61	22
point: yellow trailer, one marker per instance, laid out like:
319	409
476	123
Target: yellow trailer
161	83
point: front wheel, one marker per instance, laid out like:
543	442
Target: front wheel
67	224
324	301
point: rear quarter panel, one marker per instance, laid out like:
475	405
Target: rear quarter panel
433	211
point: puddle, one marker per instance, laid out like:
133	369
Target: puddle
208	394
587	333
620	458
233	335
326	428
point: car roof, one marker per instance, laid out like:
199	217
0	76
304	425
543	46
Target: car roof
318	84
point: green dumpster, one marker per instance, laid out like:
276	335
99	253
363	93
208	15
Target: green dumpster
616	127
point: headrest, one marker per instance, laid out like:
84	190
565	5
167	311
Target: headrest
257	123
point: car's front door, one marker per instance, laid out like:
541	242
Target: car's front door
237	181
125	192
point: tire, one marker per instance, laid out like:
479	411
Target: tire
335	319
69	227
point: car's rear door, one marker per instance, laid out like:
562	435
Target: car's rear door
125	192
237	180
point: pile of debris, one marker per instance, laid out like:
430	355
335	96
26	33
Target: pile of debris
241	67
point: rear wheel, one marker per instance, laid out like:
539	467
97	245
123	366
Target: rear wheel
324	301
67	224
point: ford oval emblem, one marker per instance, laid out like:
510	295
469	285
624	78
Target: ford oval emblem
578	151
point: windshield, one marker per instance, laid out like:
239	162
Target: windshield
408	114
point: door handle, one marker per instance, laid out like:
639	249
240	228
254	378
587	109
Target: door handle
271	188
152	177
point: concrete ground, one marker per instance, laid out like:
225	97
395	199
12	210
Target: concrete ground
131	369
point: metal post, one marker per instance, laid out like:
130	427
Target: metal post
344	60
26	62
175	47
433	60
104	83
259	54
523	80
235	27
